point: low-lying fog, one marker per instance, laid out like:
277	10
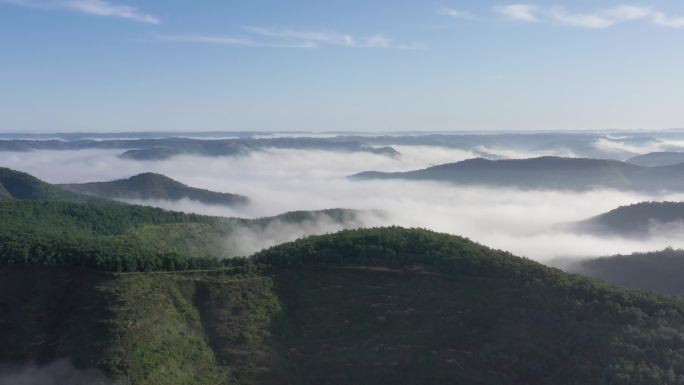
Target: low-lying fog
284	180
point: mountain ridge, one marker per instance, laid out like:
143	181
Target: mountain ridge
655	159
153	186
20	185
637	219
547	172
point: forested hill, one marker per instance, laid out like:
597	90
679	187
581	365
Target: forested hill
546	173
20	185
489	317
154	187
640	219
138	238
654	159
657	270
368	306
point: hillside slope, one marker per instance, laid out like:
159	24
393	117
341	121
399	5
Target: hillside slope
139	238
661	271
136	328
373	306
20	185
655	159
546	173
150	186
637	220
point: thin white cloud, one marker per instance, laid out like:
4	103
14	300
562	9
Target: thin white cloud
602	18
519	12
628	13
328	38
230	41
378	41
292	38
456	13
663	20
560	15
322	37
91	7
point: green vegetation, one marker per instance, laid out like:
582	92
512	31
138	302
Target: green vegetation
101	237
379	306
450	306
175	329
154	186
20	185
124	238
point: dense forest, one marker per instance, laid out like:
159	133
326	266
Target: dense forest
102	237
382	306
118	237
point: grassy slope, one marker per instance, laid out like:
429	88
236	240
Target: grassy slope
169	323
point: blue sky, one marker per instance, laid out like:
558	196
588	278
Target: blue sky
120	65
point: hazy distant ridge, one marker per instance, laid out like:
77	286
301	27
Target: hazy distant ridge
640	219
546	172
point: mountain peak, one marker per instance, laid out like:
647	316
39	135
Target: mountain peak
154	186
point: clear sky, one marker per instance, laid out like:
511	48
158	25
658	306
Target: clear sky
357	65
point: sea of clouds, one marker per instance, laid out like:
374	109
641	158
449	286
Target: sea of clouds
277	181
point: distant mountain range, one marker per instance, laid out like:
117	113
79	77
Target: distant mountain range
161	145
546	173
158	149
151	186
654	159
640	220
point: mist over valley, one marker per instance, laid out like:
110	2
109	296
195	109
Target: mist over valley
342	193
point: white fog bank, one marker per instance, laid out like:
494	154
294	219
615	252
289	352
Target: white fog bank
277	181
